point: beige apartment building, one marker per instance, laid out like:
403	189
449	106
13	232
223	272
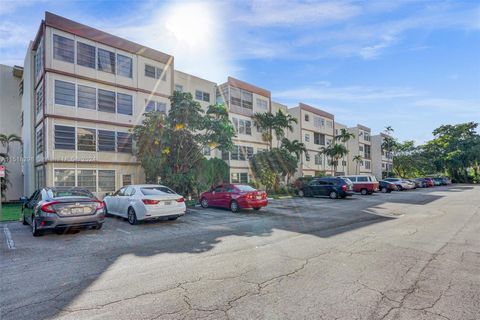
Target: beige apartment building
243	101
11	123
382	162
84	90
315	128
361	145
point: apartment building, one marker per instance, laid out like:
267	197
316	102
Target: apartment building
315	128
84	90
360	146
243	101
11	123
342	167
382	162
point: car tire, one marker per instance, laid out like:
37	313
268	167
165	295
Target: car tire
204	203
35	231
364	192
257	208
384	190
98	226
333	195
24	222
234	206
399	188
132	216
301	194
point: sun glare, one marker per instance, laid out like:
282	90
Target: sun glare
190	23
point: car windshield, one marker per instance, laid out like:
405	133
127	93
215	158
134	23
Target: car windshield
243	187
55	193
152	191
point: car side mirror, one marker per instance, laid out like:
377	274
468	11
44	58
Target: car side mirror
23	199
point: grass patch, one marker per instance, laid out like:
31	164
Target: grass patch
11	212
190	203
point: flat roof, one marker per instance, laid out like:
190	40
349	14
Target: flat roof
316	111
248	87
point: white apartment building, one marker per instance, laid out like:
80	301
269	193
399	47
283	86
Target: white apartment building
382	162
315	128
11	123
361	145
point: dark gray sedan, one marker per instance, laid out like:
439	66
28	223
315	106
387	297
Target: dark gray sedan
59	208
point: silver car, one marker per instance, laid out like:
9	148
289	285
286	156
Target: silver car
59	208
145	202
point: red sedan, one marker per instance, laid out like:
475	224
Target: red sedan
234	197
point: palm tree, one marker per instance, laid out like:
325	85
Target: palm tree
388	145
6	140
266	122
283	122
344	136
357	159
295	147
335	152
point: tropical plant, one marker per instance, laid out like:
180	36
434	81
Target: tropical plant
357	159
6	141
344	136
388	146
276	162
211	172
271	124
294	147
334	152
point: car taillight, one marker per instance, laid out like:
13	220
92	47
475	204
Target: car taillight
181	199
47	207
148	201
344	187
264	195
100	205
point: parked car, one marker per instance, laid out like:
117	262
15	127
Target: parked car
386	186
145	202
59	208
429	182
420	182
365	184
234	197
333	187
446	181
440	181
401	184
412	183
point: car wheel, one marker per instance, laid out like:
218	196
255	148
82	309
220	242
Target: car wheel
301	193
234	206
364	191
132	216
384	190
204	203
35	231
333	195
257	208
24	222
400	188
98	226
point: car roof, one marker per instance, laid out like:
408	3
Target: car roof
66	189
145	185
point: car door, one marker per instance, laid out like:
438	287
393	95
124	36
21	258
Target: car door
314	188
123	201
30	205
227	194
113	201
214	196
323	187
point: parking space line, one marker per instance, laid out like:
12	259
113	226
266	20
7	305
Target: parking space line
127	232
8	236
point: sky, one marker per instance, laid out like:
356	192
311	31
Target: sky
412	65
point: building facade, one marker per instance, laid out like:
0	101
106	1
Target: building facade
315	128
382	162
11	123
361	146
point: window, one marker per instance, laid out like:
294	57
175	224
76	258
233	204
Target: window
156	73
307	157
38	59
39	177
360	148
262	104
242	153
241	98
64	137
106	180
318	122
249	152
318	159
124	142
39	141
161	107
87	179
63	48
39	99
178	88
124	104
247	99
242	126
64	178
161	73
366	136
106	61
319	138
329	124
85	55
87	97
307	137
225	155
150	106
362	179
206	151
124	66
127	180
235	97
155	105
367	151
234	155
344	163
86	139
106	140
243	177
64	93
106	101
202	96
307	118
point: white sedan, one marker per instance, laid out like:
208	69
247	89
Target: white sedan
145	202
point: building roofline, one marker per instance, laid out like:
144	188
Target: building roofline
316	111
248	87
81	30
194	76
364	127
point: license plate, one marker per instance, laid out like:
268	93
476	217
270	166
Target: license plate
259	197
167	203
76	211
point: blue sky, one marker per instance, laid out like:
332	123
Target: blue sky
412	65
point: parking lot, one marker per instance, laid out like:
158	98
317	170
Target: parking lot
405	255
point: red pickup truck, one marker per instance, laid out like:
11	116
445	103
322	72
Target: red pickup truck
365	184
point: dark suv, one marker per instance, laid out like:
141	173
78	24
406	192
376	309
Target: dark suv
332	187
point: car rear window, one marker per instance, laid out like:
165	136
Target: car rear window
244	188
70	193
155	191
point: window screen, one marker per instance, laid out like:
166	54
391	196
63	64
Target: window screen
106	61
64	93
87	97
124	104
106	101
63	48
85	55
64	137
